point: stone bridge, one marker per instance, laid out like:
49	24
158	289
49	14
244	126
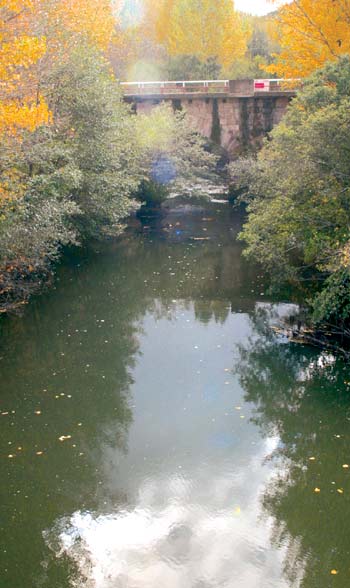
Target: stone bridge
235	114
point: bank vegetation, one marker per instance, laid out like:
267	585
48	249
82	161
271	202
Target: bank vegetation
297	191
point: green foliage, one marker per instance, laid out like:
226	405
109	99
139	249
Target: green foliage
299	191
332	304
172	153
247	67
189	67
94	123
71	180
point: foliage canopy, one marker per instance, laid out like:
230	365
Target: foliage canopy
310	33
299	193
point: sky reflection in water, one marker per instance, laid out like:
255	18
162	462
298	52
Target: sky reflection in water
194	472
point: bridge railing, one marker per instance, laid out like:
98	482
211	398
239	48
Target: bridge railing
176	87
234	87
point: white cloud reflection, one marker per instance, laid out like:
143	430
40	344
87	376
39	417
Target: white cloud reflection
200	538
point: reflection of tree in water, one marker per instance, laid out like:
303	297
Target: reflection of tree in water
69	359
206	310
300	395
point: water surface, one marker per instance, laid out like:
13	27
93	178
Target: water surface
156	433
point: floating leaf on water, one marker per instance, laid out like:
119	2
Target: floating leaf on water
11	456
345	466
64	437
39	452
312	458
317	490
334	572
340	490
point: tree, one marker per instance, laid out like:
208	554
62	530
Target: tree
310	33
96	125
90	21
189	67
74	178
206	29
299	194
21	104
172	153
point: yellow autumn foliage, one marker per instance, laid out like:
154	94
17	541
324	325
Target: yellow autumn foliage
203	28
33	30
310	32
20	105
89	19
33	35
26	116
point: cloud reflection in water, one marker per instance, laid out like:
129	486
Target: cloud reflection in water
194	540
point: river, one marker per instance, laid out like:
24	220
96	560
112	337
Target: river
157	433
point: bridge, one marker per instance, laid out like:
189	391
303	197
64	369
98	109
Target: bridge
235	114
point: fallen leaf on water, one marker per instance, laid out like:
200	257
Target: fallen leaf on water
340	490
345	466
39	452
64	437
10	456
312	458
37	411
334	572
317	490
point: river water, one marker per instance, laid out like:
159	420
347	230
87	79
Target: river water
157	433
